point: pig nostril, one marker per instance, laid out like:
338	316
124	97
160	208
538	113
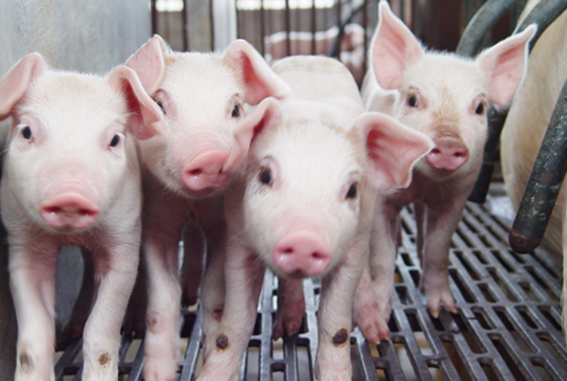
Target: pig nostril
53	209
195	172
435	151
288	250
86	212
317	255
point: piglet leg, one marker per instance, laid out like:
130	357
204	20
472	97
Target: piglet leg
244	274
213	289
32	281
372	322
116	270
335	315
441	222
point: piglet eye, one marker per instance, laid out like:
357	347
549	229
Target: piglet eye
265	176
26	133
480	109
352	190
236	111
412	101
115	140
160	105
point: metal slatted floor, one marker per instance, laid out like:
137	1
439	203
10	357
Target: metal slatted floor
508	326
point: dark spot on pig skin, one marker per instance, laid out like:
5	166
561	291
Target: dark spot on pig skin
104	359
340	337
222	341
154	321
26	362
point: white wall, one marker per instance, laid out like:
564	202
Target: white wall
81	35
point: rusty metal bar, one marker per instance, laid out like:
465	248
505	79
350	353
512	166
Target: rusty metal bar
544	184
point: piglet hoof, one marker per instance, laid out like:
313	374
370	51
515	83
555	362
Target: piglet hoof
371	323
437	298
288	322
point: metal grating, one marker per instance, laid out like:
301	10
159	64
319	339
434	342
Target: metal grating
508	326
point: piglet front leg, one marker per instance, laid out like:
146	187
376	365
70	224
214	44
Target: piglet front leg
116	270
373	299
244	274
441	220
32	281
335	315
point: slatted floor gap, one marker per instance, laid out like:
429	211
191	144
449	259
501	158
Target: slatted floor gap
508	325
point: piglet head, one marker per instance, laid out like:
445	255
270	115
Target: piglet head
443	95
204	99
69	150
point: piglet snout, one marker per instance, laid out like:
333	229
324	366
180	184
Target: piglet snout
449	153
302	254
69	210
205	171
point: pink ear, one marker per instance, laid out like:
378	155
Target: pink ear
15	83
505	64
394	48
393	149
266	115
144	111
259	79
148	62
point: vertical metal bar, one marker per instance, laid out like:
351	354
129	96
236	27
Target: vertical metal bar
340	26
185	26
287	28
365	27
313	26
212	18
262	29
154	17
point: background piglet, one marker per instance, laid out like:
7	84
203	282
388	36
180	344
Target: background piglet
527	122
185	167
302	206
71	176
445	97
301	43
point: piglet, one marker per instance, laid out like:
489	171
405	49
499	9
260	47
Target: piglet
445	97
206	101
302	206
71	177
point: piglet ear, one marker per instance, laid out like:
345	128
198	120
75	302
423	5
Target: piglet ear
393	49
392	148
145	113
505	64
15	83
264	116
149	63
259	79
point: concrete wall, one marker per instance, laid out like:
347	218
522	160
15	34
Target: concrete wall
85	35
